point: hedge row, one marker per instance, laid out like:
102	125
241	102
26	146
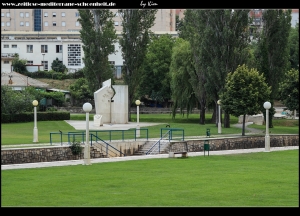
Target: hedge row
54	75
29	117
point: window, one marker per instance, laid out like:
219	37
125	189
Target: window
54	14
21	14
63	23
21	23
2	14
45	65
44	48
116	23
46	23
6	62
45	14
5	46
7	23
2	23
7	14
14	46
77	23
26	14
76	14
27	23
74	54
54	23
63	14
111	62
58	48
29	48
30	62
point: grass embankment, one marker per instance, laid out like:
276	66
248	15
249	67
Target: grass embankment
245	180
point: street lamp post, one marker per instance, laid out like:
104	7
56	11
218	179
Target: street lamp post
43	62
87	107
267	106
219	123
137	102
35	130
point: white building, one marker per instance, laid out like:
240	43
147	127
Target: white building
40	49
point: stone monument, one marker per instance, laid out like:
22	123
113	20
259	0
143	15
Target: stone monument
111	104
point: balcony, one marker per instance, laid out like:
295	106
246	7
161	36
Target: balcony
8	56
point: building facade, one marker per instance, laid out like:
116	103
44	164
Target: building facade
41	35
67	20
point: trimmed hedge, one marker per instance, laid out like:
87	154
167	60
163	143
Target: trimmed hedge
29	117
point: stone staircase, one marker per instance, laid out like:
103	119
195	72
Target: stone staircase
164	148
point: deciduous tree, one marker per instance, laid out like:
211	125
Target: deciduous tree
136	24
244	93
98	37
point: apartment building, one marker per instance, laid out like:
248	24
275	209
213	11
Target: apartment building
66	20
41	35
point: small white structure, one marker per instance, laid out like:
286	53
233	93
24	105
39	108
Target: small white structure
111	104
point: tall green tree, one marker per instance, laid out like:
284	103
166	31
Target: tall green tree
294	47
244	93
136	24
289	90
219	41
183	95
156	77
98	37
272	55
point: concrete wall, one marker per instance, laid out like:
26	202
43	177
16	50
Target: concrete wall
46	154
119	109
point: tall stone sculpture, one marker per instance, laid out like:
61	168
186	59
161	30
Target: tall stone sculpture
111	104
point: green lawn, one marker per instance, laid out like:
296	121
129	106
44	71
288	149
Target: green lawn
22	133
242	180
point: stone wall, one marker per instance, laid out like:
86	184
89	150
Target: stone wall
59	153
218	144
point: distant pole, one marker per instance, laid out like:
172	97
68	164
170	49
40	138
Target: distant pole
137	102
219	123
267	106
35	130
87	107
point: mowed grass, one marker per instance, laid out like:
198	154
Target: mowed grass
242	180
22	133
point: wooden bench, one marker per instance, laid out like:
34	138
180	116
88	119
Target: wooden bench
172	154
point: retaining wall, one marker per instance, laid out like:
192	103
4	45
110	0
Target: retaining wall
59	153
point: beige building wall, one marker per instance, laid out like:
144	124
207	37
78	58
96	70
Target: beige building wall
66	20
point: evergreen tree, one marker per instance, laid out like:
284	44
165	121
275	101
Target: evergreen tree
136	24
98	36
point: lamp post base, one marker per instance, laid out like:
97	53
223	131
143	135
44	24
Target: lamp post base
219	128
138	131
86	160
35	135
267	143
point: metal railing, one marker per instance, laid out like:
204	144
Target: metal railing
108	151
172	134
157	145
107	135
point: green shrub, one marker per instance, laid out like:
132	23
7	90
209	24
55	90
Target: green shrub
76	148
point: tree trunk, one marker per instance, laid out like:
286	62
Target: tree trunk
243	129
226	120
214	116
202	116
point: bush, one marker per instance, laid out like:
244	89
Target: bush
76	148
